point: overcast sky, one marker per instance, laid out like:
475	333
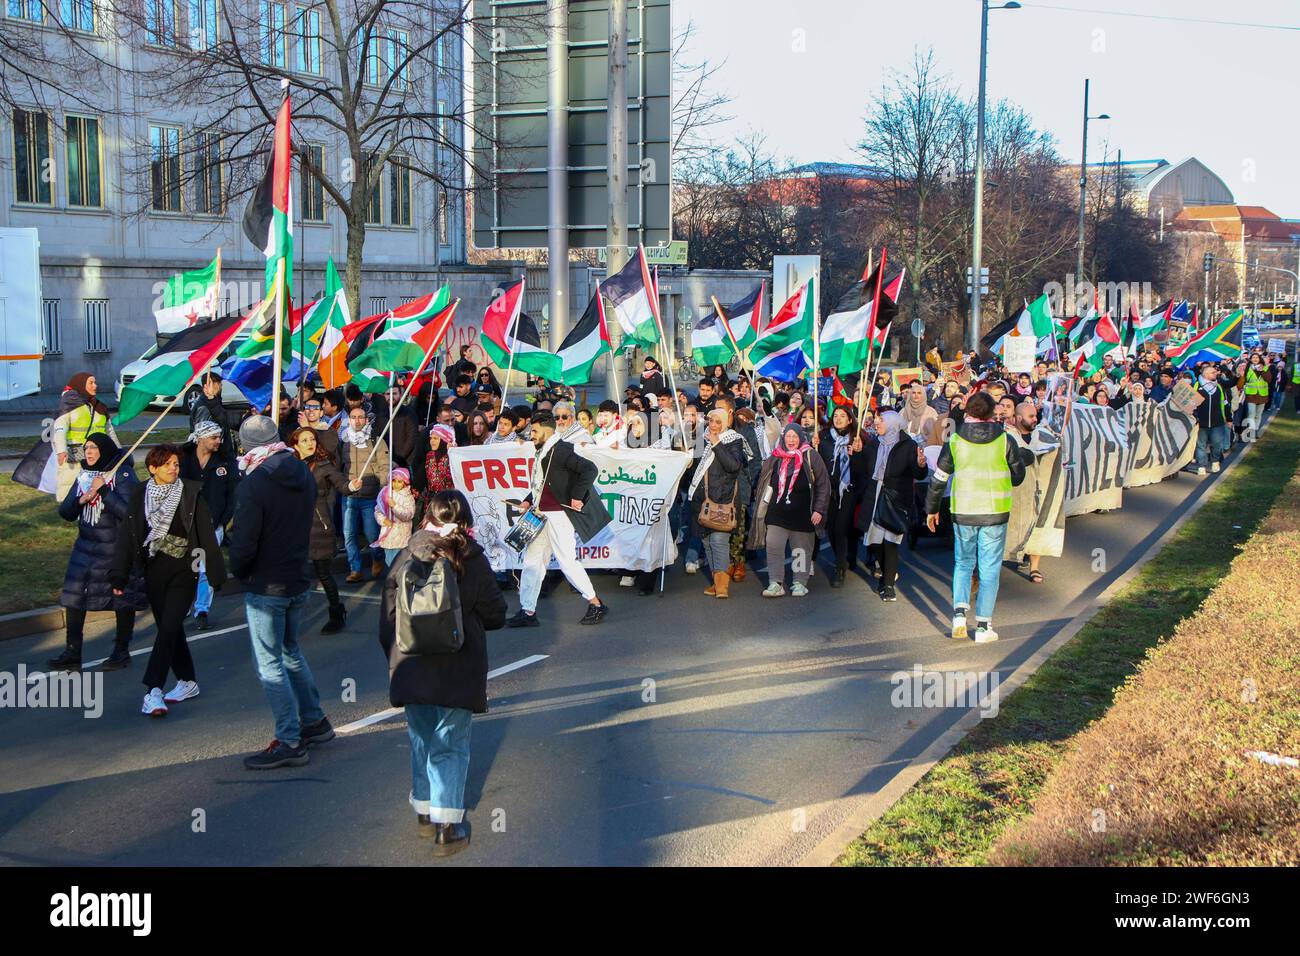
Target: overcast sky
1225	94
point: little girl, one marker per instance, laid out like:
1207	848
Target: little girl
394	511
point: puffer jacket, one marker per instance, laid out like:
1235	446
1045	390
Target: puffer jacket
86	585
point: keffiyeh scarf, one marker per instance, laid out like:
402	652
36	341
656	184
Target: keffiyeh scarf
160	504
249	461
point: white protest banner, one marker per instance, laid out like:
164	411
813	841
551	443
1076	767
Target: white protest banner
1277	346
633	484
1019	352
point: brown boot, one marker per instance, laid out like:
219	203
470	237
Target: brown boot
377	569
721	585
738	571
712	589
354	577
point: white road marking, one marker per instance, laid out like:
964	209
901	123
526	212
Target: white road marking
394	711
190	639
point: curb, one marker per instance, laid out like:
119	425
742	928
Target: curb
875	805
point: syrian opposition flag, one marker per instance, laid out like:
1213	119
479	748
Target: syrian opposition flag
404	346
586	342
784	348
268	217
185	356
854	329
728	330
1217	343
633	298
1102	339
188	297
511	340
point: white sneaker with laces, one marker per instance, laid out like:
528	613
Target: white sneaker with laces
774	590
984	633
626	581
798	590
154	706
1214	468
692	567
184	690
959	632
1199	472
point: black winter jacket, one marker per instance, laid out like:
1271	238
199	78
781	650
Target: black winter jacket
902	471
572	478
979	433
86	585
219	480
448	680
129	555
330	484
273	518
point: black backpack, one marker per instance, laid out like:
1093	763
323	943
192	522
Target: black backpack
428	609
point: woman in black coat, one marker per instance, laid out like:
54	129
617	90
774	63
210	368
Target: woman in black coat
894	463
652	379
168	531
323	543
441	691
720	476
850	473
97	501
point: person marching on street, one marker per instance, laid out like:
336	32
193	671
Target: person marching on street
1214	416
168	530
363	460
204	459
1256	381
983	464
794	490
562	490
719	479
842	455
98	502
269	547
323	543
894	463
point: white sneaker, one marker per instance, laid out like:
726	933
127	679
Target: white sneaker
1214	468
798	590
984	633
959	627
153	704
774	590
692	567
1199	472
184	690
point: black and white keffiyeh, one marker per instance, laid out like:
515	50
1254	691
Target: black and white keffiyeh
160	504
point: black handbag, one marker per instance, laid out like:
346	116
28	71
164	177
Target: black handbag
892	512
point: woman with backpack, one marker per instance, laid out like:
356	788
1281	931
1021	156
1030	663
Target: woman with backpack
441	688
794	493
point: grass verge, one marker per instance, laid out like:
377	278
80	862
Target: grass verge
991	778
22	444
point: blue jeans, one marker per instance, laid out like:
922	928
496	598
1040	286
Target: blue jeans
273	625
1211	443
439	760
390	554
359	515
977	545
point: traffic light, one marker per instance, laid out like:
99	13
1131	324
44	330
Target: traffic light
1209	258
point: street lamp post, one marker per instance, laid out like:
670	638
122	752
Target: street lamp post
1083	178
977	238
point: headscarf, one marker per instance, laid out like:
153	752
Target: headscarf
840	454
917	412
383	504
204	429
78	384
893	425
109	452
160	504
791	461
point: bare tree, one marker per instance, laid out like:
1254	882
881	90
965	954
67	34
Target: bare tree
52	50
697	105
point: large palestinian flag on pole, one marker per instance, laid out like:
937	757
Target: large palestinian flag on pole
586	342
1146	327
634	300
855	326
185	356
188	297
728	330
1217	343
403	347
511	340
268	217
784	349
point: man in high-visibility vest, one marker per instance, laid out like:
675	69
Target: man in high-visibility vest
983	464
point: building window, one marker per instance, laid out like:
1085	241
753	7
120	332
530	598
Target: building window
51	333
165	167
203	24
29	10
408	299
372	60
399	191
33	167
275	37
444	215
83	161
98	338
208	174
313	192
440	52
308	41
378	304
442	123
398	51
78	15
160	21
374	208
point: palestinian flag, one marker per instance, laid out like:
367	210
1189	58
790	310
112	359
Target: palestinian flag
847	336
784	348
586	342
510	337
1217	343
1146	327
184	357
633	298
1102	338
727	331
1082	329
1035	320
268	217
404	346
322	325
188	297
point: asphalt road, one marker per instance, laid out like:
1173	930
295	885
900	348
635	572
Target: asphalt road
683	730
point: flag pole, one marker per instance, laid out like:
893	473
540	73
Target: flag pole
871	334
437	340
278	353
672	382
815	373
216	306
871	254
513	325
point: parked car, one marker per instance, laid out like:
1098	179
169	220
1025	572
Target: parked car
230	395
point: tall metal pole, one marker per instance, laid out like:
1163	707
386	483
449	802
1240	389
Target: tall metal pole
616	109
977	239
557	167
1083	183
